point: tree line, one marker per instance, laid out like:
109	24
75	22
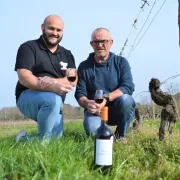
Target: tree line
77	113
13	113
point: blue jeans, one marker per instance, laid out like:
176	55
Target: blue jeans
43	107
121	114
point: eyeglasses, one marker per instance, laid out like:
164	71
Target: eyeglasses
96	42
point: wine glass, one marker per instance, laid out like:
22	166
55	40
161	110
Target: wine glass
98	97
71	74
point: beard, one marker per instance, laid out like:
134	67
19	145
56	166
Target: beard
101	55
48	42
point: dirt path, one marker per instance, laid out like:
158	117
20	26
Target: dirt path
25	122
17	123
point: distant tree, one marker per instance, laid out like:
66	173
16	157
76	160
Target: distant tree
145	99
138	104
172	88
13	113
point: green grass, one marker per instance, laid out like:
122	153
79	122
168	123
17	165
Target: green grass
71	157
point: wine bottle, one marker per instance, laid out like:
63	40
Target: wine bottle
103	144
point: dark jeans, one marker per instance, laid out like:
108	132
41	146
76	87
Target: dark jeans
121	113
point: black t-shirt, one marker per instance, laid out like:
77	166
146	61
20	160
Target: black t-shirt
35	57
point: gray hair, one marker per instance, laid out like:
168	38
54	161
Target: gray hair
99	29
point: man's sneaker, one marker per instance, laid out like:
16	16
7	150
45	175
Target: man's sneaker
22	135
118	137
122	139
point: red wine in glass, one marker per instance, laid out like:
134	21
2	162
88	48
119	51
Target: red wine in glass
71	75
98	96
71	78
99	101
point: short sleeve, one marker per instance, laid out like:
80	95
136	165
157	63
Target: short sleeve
25	58
71	60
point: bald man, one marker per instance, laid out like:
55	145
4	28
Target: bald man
103	70
41	67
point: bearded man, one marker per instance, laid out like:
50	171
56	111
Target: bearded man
41	67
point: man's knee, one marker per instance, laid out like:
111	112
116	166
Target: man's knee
91	123
125	101
52	100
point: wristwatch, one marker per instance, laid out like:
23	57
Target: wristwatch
106	96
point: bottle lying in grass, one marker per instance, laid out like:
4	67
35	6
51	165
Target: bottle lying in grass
103	144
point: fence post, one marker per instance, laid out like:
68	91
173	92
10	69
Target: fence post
153	108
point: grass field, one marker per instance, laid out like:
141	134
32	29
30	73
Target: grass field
71	157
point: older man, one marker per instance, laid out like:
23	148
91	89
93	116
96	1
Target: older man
105	71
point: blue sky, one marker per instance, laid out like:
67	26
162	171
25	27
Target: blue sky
157	55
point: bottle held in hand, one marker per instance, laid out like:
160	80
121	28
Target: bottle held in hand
103	144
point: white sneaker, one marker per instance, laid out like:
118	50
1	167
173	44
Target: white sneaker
21	135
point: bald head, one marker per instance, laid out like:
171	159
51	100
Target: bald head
52	29
53	18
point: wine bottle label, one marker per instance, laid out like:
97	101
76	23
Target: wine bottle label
104	151
112	138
